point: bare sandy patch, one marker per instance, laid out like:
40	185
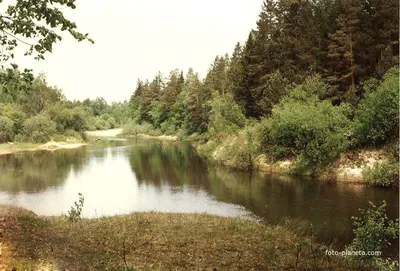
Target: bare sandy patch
163	137
105	133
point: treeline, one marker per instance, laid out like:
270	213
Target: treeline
309	83
31	110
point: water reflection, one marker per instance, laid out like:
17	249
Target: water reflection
150	175
34	172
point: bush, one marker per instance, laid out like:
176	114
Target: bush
68	119
385	174
168	127
105	116
133	128
312	131
75	213
225	115
101	124
111	122
307	128
377	117
39	128
6	129
13	112
373	232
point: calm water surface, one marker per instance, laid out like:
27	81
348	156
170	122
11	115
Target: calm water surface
150	175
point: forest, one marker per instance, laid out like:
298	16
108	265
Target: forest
314	79
33	111
314	87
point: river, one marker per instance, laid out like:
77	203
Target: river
119	177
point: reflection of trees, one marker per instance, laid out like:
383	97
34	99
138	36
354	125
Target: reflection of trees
164	162
36	171
328	206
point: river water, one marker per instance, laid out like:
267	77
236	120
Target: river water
119	177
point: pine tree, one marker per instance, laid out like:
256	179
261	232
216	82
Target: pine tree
342	53
198	95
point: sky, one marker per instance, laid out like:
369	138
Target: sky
136	39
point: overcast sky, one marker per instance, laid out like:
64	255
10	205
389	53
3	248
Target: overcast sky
136	39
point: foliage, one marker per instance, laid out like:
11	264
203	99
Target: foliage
385	174
238	150
39	128
373	232
377	117
225	115
68	118
75	213
38	23
101	124
111	122
313	86
15	114
6	129
310	129
133	128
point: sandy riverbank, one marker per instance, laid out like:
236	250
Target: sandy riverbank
104	133
9	148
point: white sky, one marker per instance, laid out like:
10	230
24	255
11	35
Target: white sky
137	38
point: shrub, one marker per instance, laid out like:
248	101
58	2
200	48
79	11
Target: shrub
385	174
312	131
111	122
78	120
101	124
68	119
39	128
6	129
168	127
133	128
225	115
75	213
377	117
13	112
105	116
373	232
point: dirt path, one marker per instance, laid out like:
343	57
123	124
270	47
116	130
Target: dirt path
105	133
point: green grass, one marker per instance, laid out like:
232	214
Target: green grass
156	241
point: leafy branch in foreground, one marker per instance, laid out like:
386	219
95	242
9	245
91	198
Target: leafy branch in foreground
374	231
36	24
75	213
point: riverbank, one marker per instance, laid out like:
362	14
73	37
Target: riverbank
9	148
71	143
233	151
155	241
105	133
348	168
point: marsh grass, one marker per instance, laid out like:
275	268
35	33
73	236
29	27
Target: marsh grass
157	241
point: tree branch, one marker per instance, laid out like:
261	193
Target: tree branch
15	37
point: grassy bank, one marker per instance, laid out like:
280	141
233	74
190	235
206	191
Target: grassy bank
354	166
155	241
